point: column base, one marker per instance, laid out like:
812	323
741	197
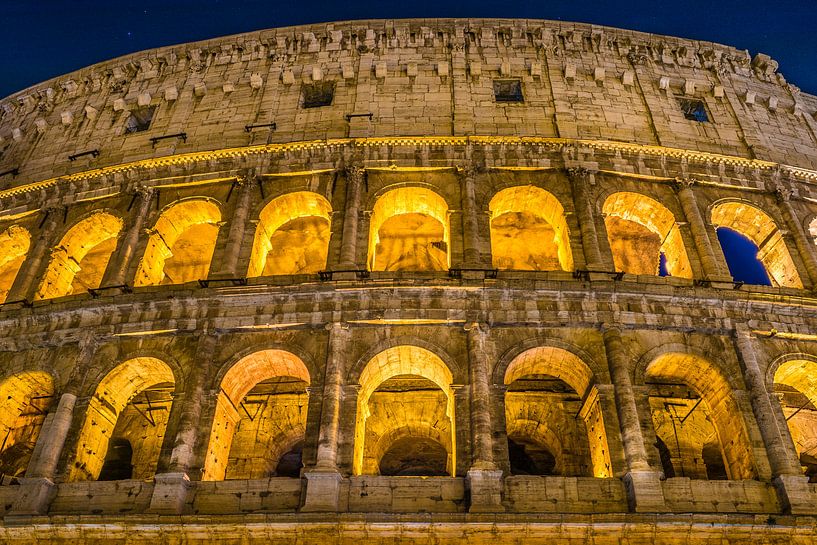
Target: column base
486	490
795	496
322	490
169	493
34	497
644	492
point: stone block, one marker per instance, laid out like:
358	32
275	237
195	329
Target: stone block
33	497
486	490
66	118
644	491
170	493
322	491
143	99
171	93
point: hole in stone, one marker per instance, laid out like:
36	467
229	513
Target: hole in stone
508	91
118	461
315	95
139	120
693	109
742	258
530	459
414	456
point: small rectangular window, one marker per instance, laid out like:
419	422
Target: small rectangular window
509	90
139	119
693	109
316	95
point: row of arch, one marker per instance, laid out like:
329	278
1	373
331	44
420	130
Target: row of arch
409	230
556	420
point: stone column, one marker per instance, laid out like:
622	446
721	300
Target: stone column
171	487
805	247
25	284
351	218
714	268
472	258
484	478
791	484
37	488
644	490
580	179
117	273
243	185
323	481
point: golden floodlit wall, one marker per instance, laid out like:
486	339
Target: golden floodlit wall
437	280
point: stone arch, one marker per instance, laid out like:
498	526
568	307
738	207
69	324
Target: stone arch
181	243
79	261
14	245
680	376
410	431
434	398
549	386
505	360
25	398
409	230
114	412
640	230
292	236
254	450
795	384
760	228
456	369
529	230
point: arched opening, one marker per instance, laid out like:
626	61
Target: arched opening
24	402
14	244
181	244
553	417
529	231
405	415
79	261
644	236
260	419
761	230
125	424
697	420
795	383
409	231
292	236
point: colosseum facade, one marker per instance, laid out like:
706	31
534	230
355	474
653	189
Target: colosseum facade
439	281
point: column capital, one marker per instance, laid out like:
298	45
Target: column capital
355	172
681	182
470	169
582	173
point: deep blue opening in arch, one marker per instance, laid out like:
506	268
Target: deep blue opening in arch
741	257
662	265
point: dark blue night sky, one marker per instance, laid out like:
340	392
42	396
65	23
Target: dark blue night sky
46	38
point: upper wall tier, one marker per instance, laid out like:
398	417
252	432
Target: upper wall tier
429	77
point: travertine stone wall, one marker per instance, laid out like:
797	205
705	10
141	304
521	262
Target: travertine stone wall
238	259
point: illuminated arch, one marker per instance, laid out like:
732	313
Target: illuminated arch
640	229
529	231
117	412
24	401
716	395
287	419
795	383
181	244
535	418
398	361
292	236
14	245
409	231
761	229
79	261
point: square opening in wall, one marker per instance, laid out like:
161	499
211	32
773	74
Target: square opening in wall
316	95
509	90
139	119
693	109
